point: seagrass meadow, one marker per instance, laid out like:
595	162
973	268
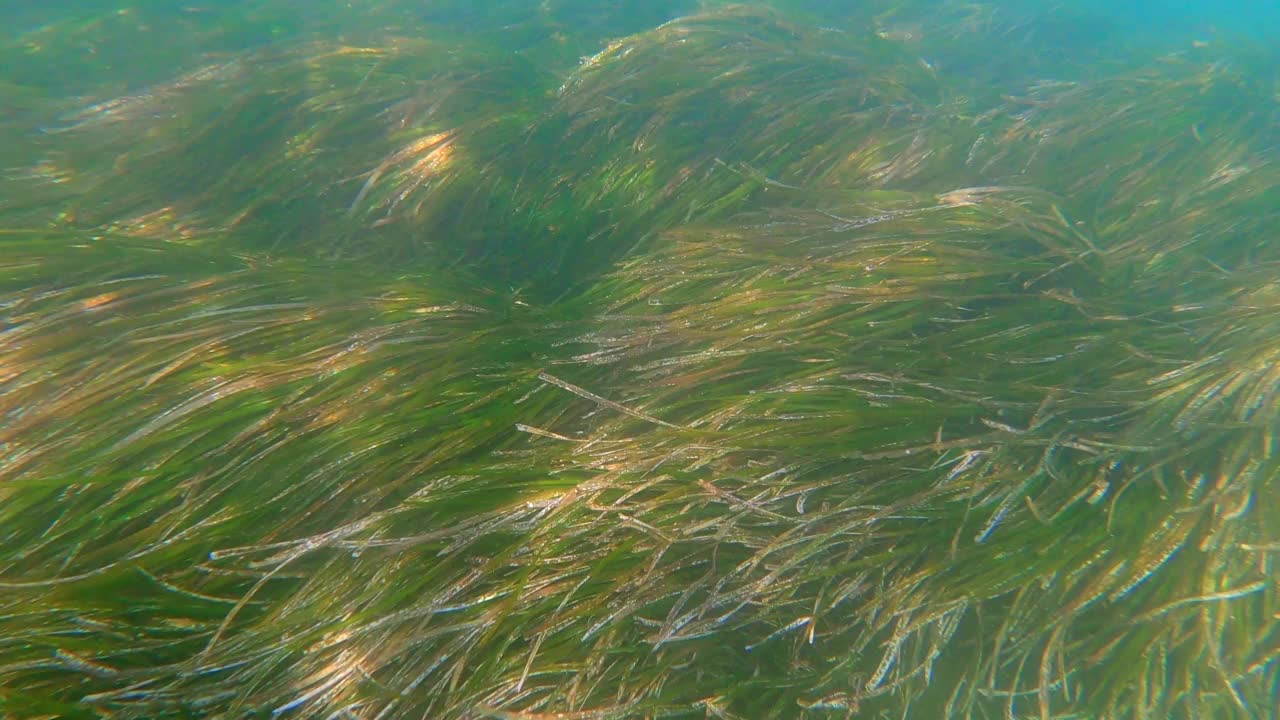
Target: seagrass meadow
583	361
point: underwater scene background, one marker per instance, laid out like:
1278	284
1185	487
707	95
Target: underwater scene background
578	360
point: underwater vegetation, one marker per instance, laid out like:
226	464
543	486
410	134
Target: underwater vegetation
762	362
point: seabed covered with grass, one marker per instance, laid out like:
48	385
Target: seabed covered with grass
772	361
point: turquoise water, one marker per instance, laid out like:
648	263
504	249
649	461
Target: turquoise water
582	360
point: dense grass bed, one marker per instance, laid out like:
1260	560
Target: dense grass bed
760	362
